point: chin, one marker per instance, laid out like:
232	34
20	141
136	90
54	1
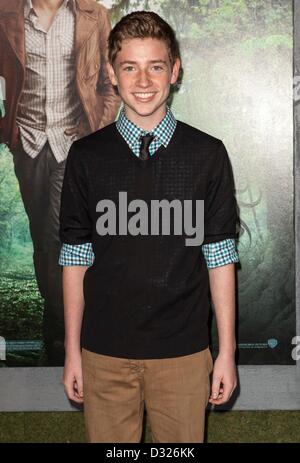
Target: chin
146	111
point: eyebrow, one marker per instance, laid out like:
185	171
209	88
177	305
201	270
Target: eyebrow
151	61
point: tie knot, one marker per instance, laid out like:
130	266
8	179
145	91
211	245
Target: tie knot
146	139
145	143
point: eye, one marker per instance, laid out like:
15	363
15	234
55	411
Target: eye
156	67
128	68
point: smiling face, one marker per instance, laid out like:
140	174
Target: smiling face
143	72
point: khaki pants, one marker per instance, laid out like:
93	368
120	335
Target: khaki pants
175	392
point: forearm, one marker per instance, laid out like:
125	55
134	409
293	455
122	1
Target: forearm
222	287
73	306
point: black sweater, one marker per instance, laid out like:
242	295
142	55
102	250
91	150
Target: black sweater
146	295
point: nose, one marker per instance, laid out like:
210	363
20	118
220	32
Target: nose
144	79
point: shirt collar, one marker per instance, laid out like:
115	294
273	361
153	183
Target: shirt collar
131	132
29	7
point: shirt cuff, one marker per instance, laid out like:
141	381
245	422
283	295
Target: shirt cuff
220	253
76	254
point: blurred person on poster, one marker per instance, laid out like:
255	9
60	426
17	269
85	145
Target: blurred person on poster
53	56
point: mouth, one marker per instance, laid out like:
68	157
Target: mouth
144	96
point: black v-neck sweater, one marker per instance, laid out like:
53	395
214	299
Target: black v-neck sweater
146	296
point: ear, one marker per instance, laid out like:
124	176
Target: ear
111	74
175	71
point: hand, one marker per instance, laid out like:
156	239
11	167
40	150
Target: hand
72	378
224	379
79	131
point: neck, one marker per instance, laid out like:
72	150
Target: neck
149	122
47	4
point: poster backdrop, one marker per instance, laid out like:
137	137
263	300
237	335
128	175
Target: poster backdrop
237	86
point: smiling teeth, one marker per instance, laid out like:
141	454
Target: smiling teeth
144	95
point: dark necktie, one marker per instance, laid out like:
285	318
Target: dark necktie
144	149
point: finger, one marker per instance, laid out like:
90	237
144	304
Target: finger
226	392
228	389
217	400
220	396
78	385
70	391
215	388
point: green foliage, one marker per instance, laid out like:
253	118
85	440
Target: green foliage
270	42
15	248
20	309
228	23
199	24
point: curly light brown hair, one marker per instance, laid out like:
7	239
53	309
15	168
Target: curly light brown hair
142	24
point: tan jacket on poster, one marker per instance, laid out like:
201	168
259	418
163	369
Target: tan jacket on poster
95	91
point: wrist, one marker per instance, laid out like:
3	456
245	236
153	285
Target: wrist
228	351
72	348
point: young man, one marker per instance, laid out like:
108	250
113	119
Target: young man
53	62
135	294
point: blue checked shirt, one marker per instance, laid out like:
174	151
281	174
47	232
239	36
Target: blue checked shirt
216	254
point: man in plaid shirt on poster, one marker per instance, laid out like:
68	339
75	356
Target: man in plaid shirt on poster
53	60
